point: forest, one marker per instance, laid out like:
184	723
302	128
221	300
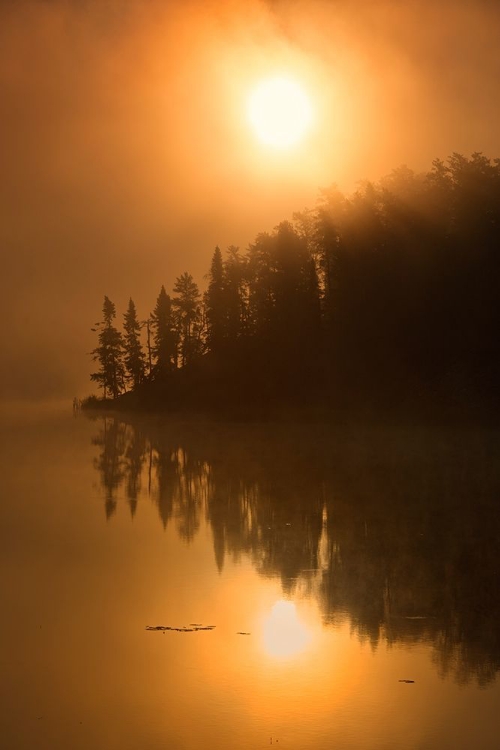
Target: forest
383	299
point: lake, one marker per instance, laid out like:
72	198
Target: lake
315	587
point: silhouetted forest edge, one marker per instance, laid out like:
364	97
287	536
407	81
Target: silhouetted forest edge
380	304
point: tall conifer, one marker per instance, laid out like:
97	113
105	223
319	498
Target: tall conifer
109	354
215	304
187	307
134	359
164	336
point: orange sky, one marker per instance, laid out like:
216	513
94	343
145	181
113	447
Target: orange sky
127	155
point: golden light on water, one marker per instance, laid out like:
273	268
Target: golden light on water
280	112
284	634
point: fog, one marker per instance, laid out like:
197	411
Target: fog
127	156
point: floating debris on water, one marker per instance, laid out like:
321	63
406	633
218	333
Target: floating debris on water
408	681
183	629
158	627
240	632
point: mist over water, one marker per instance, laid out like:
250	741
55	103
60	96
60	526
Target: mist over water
329	566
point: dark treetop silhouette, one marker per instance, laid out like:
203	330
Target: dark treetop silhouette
388	296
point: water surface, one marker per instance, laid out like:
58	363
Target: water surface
333	563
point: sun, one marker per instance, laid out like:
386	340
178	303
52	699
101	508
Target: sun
280	112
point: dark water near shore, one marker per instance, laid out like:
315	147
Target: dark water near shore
333	562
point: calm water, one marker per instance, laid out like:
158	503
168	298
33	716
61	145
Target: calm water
332	563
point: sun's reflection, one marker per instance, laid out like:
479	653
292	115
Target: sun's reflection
284	634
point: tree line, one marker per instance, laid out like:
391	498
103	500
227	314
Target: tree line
383	294
173	339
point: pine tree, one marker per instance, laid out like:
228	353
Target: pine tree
215	304
187	307
134	359
164	348
109	353
236	294
261	295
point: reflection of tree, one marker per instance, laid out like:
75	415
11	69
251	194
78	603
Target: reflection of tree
229	511
135	454
395	531
165	464
191	495
289	522
414	538
109	463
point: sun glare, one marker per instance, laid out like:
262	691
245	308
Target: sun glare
280	112
284	634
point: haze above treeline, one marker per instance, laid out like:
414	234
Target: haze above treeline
127	157
384	301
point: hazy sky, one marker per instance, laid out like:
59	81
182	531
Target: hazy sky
126	152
